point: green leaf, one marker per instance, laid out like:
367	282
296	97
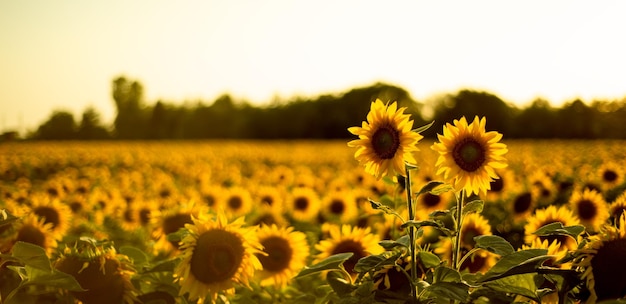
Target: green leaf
519	262
450	290
428	259
164	266
365	264
138	257
332	262
558	229
520	284
494	244
475	206
429	187
53	278
424	127
391	244
439	213
419	224
32	255
339	284
446	274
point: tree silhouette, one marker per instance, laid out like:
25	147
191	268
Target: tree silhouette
60	126
90	127
130	122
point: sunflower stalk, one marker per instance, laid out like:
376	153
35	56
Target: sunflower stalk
409	201
457	238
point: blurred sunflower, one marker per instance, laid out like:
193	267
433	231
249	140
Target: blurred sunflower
213	197
474	224
217	256
269	196
590	207
237	202
549	215
395	278
617	208
303	204
480	261
547	191
555	250
54	212
386	140
500	188
345	238
30	229
603	262
610	175
522	205
469	156
286	252
427	203
101	271
170	220
339	207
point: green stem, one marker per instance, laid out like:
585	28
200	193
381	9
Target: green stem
409	201
459	222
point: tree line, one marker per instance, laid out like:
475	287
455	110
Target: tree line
327	116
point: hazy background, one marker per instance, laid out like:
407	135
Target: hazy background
64	54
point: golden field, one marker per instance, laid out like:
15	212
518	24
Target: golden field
124	198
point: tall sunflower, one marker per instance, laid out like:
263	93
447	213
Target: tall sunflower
590	207
360	241
217	256
603	263
286	252
385	141
468	155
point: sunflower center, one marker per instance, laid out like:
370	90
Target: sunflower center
279	254
497	185
235	202
609	175
431	200
209	200
386	141
217	256
31	234
301	203
174	222
475	263
609	270
267	199
129	216
350	246
522	202
467	236
468	154
337	207
267	219
144	216
49	214
587	209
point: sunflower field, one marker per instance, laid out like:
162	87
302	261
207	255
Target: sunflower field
386	217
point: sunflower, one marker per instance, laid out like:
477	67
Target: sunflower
394	277
603	262
468	155
385	141
303	204
30	229
590	207
522	205
480	261
427	203
237	202
339	207
610	175
473	225
101	271
555	250
54	212
549	215
269	196
170	220
286	252
217	256
345	238
617	208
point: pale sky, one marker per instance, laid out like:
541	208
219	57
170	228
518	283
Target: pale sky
63	54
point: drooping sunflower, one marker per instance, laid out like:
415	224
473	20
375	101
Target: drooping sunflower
345	238
602	261
468	155
549	215
217	256
590	207
101	271
385	141
286	252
